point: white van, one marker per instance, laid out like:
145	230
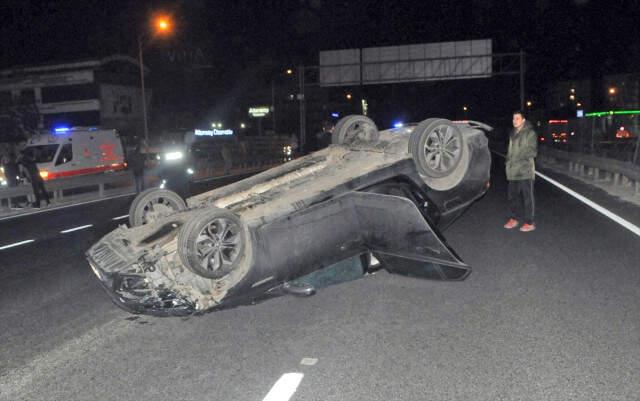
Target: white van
68	152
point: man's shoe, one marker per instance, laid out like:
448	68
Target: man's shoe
511	223
527	227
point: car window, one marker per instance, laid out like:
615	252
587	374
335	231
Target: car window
66	154
42	153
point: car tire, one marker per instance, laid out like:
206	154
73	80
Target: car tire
211	244
354	127
142	209
440	153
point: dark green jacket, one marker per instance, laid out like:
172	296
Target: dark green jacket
523	148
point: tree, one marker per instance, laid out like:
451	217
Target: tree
19	119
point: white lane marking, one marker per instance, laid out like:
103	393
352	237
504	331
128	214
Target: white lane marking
284	388
623	222
120	217
76	229
16	244
309	361
52	208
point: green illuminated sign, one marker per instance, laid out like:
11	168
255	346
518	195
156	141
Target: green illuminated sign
612	113
259	111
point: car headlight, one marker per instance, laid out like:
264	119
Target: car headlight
173	156
190	171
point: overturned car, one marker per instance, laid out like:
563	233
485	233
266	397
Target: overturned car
386	194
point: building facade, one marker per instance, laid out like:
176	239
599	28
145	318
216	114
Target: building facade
104	92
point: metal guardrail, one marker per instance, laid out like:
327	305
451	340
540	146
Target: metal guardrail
97	182
58	186
598	168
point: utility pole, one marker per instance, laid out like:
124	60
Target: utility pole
303	119
636	101
144	99
273	105
522	71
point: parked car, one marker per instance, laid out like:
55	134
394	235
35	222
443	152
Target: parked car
386	194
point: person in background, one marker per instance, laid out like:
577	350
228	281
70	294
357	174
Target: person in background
136	162
521	172
323	138
293	141
33	174
10	169
226	157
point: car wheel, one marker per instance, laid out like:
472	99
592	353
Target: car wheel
211	244
353	127
440	152
153	204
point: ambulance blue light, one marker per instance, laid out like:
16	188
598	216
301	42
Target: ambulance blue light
398	124
335	115
61	130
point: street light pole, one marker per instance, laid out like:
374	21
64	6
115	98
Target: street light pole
303	115
144	99
162	25
273	105
522	72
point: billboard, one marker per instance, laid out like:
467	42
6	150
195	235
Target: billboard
407	63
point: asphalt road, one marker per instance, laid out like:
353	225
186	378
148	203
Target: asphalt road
552	314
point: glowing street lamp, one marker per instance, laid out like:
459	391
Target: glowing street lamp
613	90
529	103
162	25
289	71
349	96
465	108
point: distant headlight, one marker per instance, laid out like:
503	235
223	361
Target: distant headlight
173	156
189	171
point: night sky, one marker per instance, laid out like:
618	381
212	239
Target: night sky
247	40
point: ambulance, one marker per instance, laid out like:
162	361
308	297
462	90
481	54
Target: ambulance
69	152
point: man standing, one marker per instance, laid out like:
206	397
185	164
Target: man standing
523	148
226	157
39	191
10	169
137	164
